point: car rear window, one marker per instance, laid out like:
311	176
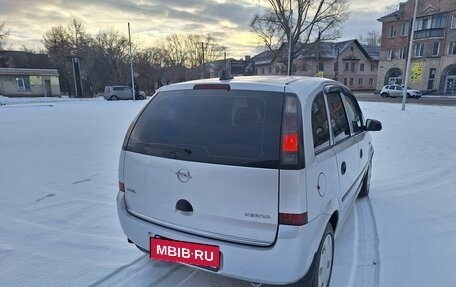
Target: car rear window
235	127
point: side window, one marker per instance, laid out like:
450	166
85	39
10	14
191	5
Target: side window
354	113
320	126
339	123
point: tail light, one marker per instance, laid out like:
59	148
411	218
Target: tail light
293	218
292	144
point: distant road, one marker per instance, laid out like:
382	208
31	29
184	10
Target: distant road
424	100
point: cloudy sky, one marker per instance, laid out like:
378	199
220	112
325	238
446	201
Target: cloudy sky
153	19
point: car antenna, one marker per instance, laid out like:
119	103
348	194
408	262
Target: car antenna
225	76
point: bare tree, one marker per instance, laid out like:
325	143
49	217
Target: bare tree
58	45
186	50
299	21
110	59
212	50
372	38
150	65
3	36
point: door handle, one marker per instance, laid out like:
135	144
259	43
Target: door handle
184	207
343	168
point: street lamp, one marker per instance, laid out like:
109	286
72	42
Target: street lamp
409	57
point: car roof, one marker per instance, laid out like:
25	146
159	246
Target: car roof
266	83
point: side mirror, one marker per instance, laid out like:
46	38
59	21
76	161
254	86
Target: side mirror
373	125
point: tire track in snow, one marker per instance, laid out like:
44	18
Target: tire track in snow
366	265
145	272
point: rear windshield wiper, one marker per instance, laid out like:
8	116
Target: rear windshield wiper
164	148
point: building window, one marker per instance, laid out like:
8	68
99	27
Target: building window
321	66
345	81
360	82
23	83
361	67
389	54
373	67
352	67
452	49
270	70
453	21
392	31
346	66
405	29
351	81
439	21
402	53
431	78
419	48
436	49
262	71
423	24
371	82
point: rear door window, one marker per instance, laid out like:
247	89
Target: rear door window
224	127
339	122
320	126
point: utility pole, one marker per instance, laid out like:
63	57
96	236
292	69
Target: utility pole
133	91
409	57
204	63
75	63
336	68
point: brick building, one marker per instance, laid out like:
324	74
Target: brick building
348	62
433	67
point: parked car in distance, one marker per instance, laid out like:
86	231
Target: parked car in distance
249	178
398	91
114	93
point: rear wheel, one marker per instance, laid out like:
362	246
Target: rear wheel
384	95
366	182
324	259
113	98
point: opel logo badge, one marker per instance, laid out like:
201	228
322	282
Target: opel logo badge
183	175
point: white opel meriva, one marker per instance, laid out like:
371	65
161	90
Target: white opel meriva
249	178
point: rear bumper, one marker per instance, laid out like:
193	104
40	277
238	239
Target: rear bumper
286	261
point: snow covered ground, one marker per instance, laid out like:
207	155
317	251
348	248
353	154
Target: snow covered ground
58	183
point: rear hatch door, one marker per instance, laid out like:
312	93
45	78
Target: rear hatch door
206	162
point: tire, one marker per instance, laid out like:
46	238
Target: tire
324	259
140	98
113	98
366	182
384	95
